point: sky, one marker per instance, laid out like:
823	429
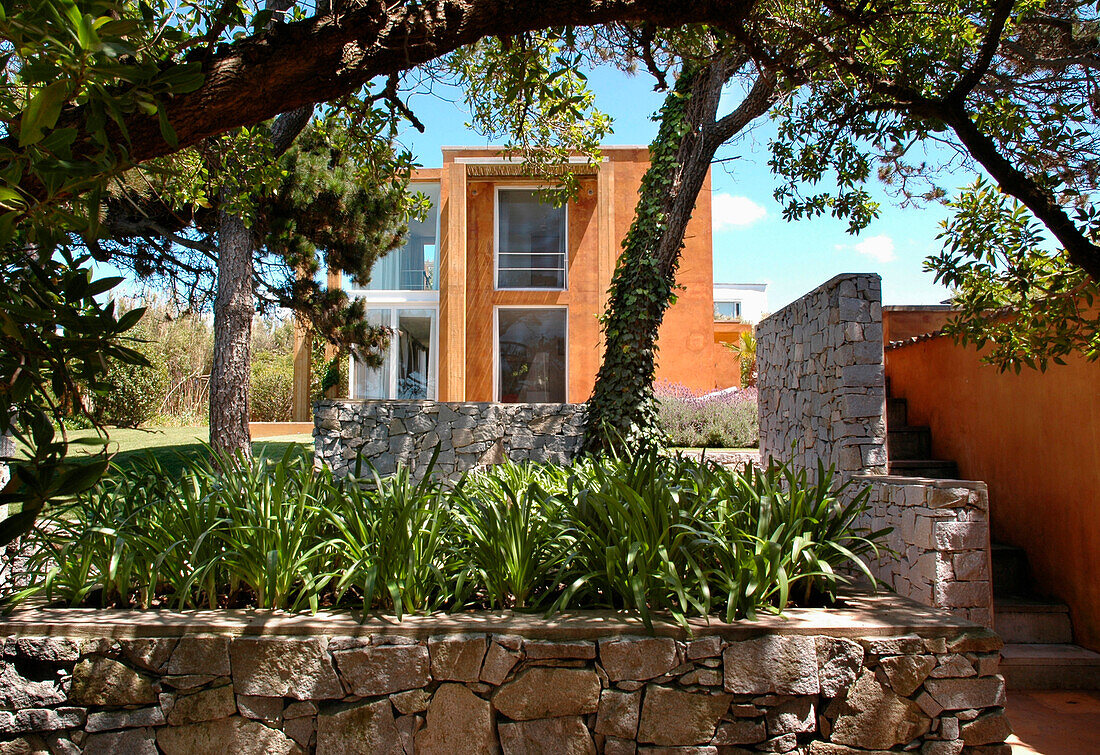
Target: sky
752	242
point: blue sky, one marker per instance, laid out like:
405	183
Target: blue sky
752	242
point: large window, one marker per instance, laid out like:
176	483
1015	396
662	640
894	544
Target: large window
415	266
531	241
408	369
531	362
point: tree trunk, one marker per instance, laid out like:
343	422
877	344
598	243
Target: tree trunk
623	410
233	308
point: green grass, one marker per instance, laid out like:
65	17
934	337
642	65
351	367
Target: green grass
171	445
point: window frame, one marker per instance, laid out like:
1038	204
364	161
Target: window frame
496	345
496	240
414	292
732	318
395	308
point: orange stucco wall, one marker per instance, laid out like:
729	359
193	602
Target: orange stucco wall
727	365
598	219
1035	439
900	323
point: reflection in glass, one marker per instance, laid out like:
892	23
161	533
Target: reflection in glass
414	337
373	382
531	366
531	242
415	266
407	370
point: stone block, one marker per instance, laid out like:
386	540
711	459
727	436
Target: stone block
103	681
205	705
963	594
128	742
543	692
961	536
742	731
618	713
365	727
796	716
110	720
971	566
284	667
838	662
872	716
675	717
638	659
906	673
499	662
266	709
704	647
238	735
971	693
565	735
989	728
457	657
457	721
775	664
541	649
383	669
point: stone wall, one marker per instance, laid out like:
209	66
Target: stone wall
941	542
819	687
389	433
820	378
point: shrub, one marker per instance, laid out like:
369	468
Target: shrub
135	394
727	419
648	533
272	388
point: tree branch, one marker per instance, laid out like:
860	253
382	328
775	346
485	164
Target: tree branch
327	56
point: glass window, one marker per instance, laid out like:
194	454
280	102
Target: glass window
408	367
373	382
414	266
727	310
531	238
531	364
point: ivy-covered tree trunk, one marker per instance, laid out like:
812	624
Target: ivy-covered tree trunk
622	409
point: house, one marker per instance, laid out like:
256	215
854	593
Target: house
496	296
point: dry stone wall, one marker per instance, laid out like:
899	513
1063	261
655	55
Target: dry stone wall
822	387
392	433
820	693
820	376
941	541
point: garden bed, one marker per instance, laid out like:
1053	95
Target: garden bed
878	673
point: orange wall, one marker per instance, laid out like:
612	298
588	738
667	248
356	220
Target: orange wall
1035	439
900	323
727	365
599	220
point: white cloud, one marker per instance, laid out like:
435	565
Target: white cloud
728	212
879	248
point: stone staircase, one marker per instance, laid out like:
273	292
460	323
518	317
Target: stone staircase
909	447
1039	652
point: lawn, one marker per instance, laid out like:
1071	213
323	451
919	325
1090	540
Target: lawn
170	445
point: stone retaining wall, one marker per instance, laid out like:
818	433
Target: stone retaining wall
941	540
830	684
392	433
820	378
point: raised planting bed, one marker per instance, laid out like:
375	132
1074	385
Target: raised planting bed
880	673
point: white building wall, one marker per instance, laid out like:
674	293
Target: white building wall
753	298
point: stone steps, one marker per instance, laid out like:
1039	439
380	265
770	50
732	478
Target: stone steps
1032	621
1011	571
897	412
909	442
1049	666
941	469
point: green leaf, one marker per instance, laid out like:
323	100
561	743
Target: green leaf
42	112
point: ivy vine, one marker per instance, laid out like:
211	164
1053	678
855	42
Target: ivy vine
623	409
